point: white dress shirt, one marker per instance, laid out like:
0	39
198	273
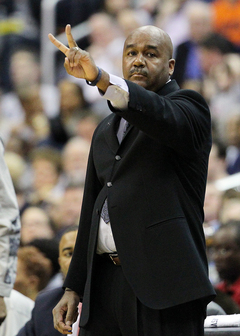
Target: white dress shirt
118	95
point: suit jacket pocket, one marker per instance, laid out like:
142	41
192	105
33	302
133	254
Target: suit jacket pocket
164	222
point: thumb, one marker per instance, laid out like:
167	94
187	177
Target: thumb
69	325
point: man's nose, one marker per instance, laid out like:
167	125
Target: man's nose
139	60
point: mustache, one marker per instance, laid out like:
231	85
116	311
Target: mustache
138	71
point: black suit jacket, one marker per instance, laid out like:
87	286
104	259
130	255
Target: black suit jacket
41	322
155	184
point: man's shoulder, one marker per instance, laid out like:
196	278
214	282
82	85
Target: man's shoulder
188	94
49	296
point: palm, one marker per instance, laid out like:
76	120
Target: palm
78	62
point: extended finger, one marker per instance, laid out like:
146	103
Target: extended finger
71	41
58	44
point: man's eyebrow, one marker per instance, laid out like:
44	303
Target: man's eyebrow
148	46
130	46
66	248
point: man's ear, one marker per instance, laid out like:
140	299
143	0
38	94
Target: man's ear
171	63
34	282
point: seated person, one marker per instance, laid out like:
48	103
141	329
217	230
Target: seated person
41	323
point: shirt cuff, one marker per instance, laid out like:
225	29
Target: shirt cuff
117	93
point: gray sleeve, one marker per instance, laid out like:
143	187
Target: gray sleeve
9	228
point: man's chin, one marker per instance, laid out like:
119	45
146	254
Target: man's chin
140	80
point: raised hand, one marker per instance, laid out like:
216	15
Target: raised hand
78	62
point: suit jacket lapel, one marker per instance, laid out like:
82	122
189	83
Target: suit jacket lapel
110	132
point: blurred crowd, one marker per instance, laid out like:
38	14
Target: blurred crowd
47	129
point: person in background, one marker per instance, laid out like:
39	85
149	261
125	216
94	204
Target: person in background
74	160
226	255
226	19
233	143
33	271
142	213
49	248
36	223
217	165
188	68
41	322
72	108
9	233
19	308
230	209
46	171
67	212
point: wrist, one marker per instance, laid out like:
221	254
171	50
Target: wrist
96	80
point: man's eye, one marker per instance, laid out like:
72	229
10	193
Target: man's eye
149	54
131	53
68	254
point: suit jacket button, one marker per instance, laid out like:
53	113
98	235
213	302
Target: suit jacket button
109	184
118	157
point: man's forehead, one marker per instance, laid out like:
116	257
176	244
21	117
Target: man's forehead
151	36
143	40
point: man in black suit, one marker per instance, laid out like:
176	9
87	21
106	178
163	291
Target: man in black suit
41	323
143	270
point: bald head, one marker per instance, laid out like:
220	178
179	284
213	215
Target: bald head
153	32
147	57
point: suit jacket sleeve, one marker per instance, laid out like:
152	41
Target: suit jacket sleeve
180	119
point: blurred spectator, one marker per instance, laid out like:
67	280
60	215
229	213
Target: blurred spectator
233	142
34	128
226	19
212	49
25	71
33	271
72	107
172	19
225	98
114	7
35	224
212	206
45	302
226	255
129	19
74	160
49	248
149	6
25	77
19	308
106	46
188	67
230	209
217	166
46	167
67	212
87	125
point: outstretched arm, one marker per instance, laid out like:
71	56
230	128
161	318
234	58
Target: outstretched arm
78	62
